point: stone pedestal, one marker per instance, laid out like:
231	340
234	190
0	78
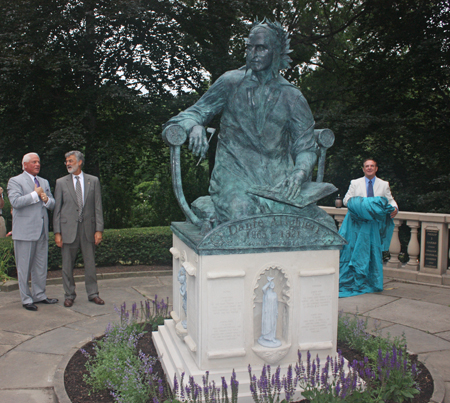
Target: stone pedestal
225	272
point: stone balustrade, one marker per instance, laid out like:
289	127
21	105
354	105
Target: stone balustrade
428	246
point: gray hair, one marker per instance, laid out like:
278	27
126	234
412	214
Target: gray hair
78	155
27	157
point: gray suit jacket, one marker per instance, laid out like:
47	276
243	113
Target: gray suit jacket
380	188
66	208
28	217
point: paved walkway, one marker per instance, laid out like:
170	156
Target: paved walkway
36	346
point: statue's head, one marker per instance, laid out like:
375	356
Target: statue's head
268	47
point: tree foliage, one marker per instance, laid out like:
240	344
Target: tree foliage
103	76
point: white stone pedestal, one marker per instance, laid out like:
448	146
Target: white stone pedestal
224	300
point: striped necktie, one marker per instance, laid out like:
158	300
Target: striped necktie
79	199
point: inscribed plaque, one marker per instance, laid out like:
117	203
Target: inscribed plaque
225	314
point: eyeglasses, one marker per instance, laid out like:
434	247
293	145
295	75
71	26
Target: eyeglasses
70	162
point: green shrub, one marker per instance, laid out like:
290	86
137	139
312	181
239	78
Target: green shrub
7	261
129	246
135	246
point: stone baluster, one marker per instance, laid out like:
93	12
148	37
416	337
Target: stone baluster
340	219
395	247
413	246
448	249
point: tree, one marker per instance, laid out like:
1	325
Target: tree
89	76
395	106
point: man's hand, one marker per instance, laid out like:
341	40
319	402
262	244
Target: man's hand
38	190
98	236
58	240
394	213
44	197
291	186
198	143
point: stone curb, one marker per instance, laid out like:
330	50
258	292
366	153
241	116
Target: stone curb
10	285
13	285
59	387
438	383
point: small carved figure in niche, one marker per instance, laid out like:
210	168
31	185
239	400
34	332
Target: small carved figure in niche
269	316
183	292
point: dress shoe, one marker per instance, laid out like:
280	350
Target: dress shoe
97	300
47	301
30	307
68	303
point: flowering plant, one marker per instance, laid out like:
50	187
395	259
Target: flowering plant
115	363
192	392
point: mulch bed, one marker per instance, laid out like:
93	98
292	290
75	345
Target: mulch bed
79	392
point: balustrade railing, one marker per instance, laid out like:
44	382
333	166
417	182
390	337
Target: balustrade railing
427	248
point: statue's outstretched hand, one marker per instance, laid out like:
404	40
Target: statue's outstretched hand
291	186
198	143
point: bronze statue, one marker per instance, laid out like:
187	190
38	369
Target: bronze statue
267	146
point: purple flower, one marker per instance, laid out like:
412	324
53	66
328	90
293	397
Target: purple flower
175	385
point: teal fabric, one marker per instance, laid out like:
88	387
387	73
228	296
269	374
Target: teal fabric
368	229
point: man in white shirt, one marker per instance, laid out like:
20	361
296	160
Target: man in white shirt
370	185
368	228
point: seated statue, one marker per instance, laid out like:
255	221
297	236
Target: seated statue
267	148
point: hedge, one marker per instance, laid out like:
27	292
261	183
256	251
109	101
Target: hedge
130	246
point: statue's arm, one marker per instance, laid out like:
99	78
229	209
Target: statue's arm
303	147
194	119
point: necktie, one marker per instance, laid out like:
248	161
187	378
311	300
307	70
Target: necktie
370	189
79	199
37	182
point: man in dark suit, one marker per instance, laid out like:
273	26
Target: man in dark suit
30	198
78	224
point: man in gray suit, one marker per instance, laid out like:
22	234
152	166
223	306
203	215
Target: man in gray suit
78	224
30	197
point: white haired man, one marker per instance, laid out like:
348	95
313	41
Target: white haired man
78	224
30	198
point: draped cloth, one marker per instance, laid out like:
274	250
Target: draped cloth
368	229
